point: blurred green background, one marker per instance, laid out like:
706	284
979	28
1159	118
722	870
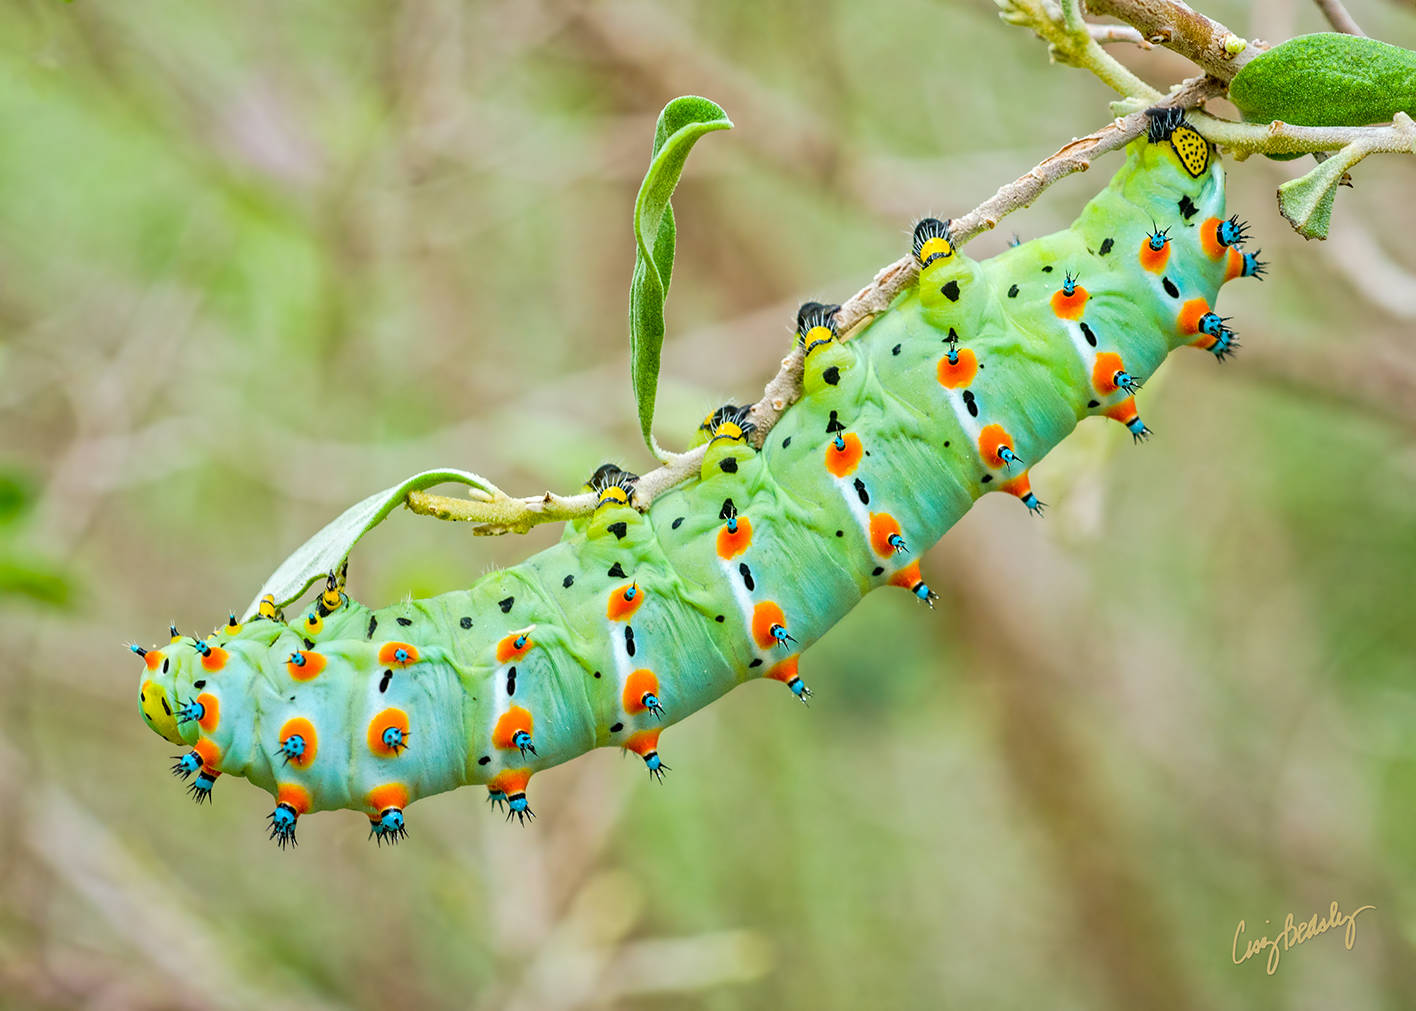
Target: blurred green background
259	260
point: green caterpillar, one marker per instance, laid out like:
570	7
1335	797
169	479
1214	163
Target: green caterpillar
636	619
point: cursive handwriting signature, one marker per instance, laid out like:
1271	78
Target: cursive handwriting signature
1294	934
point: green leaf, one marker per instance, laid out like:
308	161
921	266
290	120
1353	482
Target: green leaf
681	123
1327	79
1307	201
328	549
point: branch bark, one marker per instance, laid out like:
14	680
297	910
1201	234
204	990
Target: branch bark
1202	40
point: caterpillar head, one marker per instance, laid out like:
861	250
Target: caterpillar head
160	701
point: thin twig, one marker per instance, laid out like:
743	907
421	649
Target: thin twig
1338	17
1109	34
518	515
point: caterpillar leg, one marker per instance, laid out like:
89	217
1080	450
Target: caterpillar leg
384	805
645	744
1125	412
200	788
786	672
909	578
509	788
292	801
1021	487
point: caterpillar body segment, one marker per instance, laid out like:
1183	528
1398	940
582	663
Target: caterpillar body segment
635	620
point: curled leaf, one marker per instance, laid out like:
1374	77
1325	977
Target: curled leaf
1307	201
328	549
1327	79
680	125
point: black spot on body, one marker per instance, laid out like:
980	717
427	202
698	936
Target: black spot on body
729	466
568	581
617	571
199	684
1187	207
387	677
746	574
786	442
373	624
675	524
165	707
896	349
616	727
629	640
505	604
597	673
950	291
987	478
511	681
831	376
833	425
1047	269
971	402
1093	403
1087	333
756	663
1170	288
618	529
309	644
877	570
405	622
1013	291
466	622
861	492
840	533
484	759
165	664
719	619
1106	245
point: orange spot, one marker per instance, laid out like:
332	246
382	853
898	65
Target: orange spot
1234	266
622	608
731	544
1209	239
1154	260
785	670
953	375
510	781
388	718
907	577
211	712
209	753
882	526
507	649
306	729
1108	363
295	795
508	725
764	616
153	658
1019	486
381	798
1188	322
1069	307
1123	412
388	654
842	462
214	659
312	668
643	742
635	686
991	441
